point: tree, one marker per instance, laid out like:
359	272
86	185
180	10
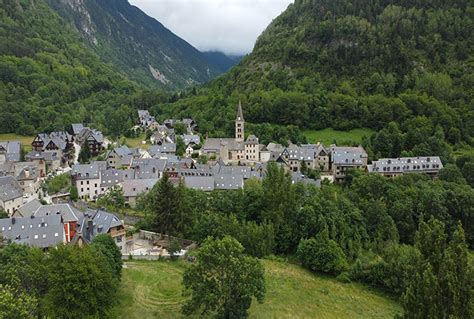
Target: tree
107	247
180	146
451	173
80	283
223	281
73	193
85	154
15	304
174	248
322	254
165	204
3	214
442	284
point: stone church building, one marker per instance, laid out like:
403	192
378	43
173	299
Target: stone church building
234	150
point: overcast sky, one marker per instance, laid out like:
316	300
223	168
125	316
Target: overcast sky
230	26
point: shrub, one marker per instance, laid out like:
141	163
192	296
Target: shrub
322	254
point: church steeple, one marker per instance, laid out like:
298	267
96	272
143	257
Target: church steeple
240	115
239	124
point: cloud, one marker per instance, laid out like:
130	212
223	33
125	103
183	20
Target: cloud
230	26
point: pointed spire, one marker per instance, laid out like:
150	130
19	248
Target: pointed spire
240	114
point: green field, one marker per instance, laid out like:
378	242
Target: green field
24	140
153	290
329	136
137	142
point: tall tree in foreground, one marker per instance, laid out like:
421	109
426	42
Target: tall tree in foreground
85	154
223	281
442	284
165	204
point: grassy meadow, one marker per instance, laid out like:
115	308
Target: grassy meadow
24	140
329	136
153	290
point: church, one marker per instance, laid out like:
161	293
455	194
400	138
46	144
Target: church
234	150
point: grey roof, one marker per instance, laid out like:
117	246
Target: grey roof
77	128
95	222
86	171
45	155
204	183
134	187
163	148
148	168
68	212
191	139
110	177
240	114
297	177
7	168
277	148
12	150
123	150
87	133
294	152
350	156
9	188
214	144
28	173
229	181
421	164
252	140
43	232
26	210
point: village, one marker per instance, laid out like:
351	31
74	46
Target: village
207	164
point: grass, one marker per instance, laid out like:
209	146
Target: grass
24	140
328	136
136	142
153	290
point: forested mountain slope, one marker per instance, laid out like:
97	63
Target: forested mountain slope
136	44
50	79
346	64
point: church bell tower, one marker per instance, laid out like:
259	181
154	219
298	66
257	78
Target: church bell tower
239	125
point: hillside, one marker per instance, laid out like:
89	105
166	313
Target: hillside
50	79
223	61
136	44
345	65
153	289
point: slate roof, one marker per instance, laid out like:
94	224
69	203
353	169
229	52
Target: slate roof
95	222
86	171
46	155
110	177
68	212
9	189
229	181
42	232
421	164
163	148
240	114
251	140
12	150
188	139
204	183
349	156
77	128
148	168
134	187
214	144
297	177
26	210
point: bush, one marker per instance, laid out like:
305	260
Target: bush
322	254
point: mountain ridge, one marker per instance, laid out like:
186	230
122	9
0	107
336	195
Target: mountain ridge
138	45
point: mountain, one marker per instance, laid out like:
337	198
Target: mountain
49	78
224	62
343	64
136	44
